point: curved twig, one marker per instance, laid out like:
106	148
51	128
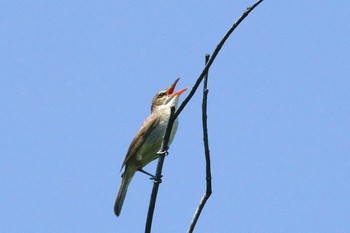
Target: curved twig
213	56
164	148
158	176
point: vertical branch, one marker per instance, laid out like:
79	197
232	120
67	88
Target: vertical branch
158	176
205	132
208	190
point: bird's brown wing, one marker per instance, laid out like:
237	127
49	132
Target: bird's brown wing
147	127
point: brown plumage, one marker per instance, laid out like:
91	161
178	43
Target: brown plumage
145	145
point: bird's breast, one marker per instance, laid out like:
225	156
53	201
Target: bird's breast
159	130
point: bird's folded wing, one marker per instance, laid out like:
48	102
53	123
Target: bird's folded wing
147	127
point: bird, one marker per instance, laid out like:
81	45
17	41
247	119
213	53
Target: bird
147	142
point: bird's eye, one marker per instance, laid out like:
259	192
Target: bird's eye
161	94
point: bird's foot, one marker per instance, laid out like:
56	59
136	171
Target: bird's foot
165	153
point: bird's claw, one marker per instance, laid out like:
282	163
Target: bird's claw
154	178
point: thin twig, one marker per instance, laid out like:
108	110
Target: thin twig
213	56
208	190
158	176
172	118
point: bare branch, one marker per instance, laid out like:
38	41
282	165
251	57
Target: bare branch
213	56
158	176
208	190
173	116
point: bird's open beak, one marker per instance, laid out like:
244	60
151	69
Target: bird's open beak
172	88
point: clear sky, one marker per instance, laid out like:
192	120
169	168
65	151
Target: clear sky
76	82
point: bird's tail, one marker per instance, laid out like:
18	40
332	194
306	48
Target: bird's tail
126	179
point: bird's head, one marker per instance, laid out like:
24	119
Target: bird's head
167	97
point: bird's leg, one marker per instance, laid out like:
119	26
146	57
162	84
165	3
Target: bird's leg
147	173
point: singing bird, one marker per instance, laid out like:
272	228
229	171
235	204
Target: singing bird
145	145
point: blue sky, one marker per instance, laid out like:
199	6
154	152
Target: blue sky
76	83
